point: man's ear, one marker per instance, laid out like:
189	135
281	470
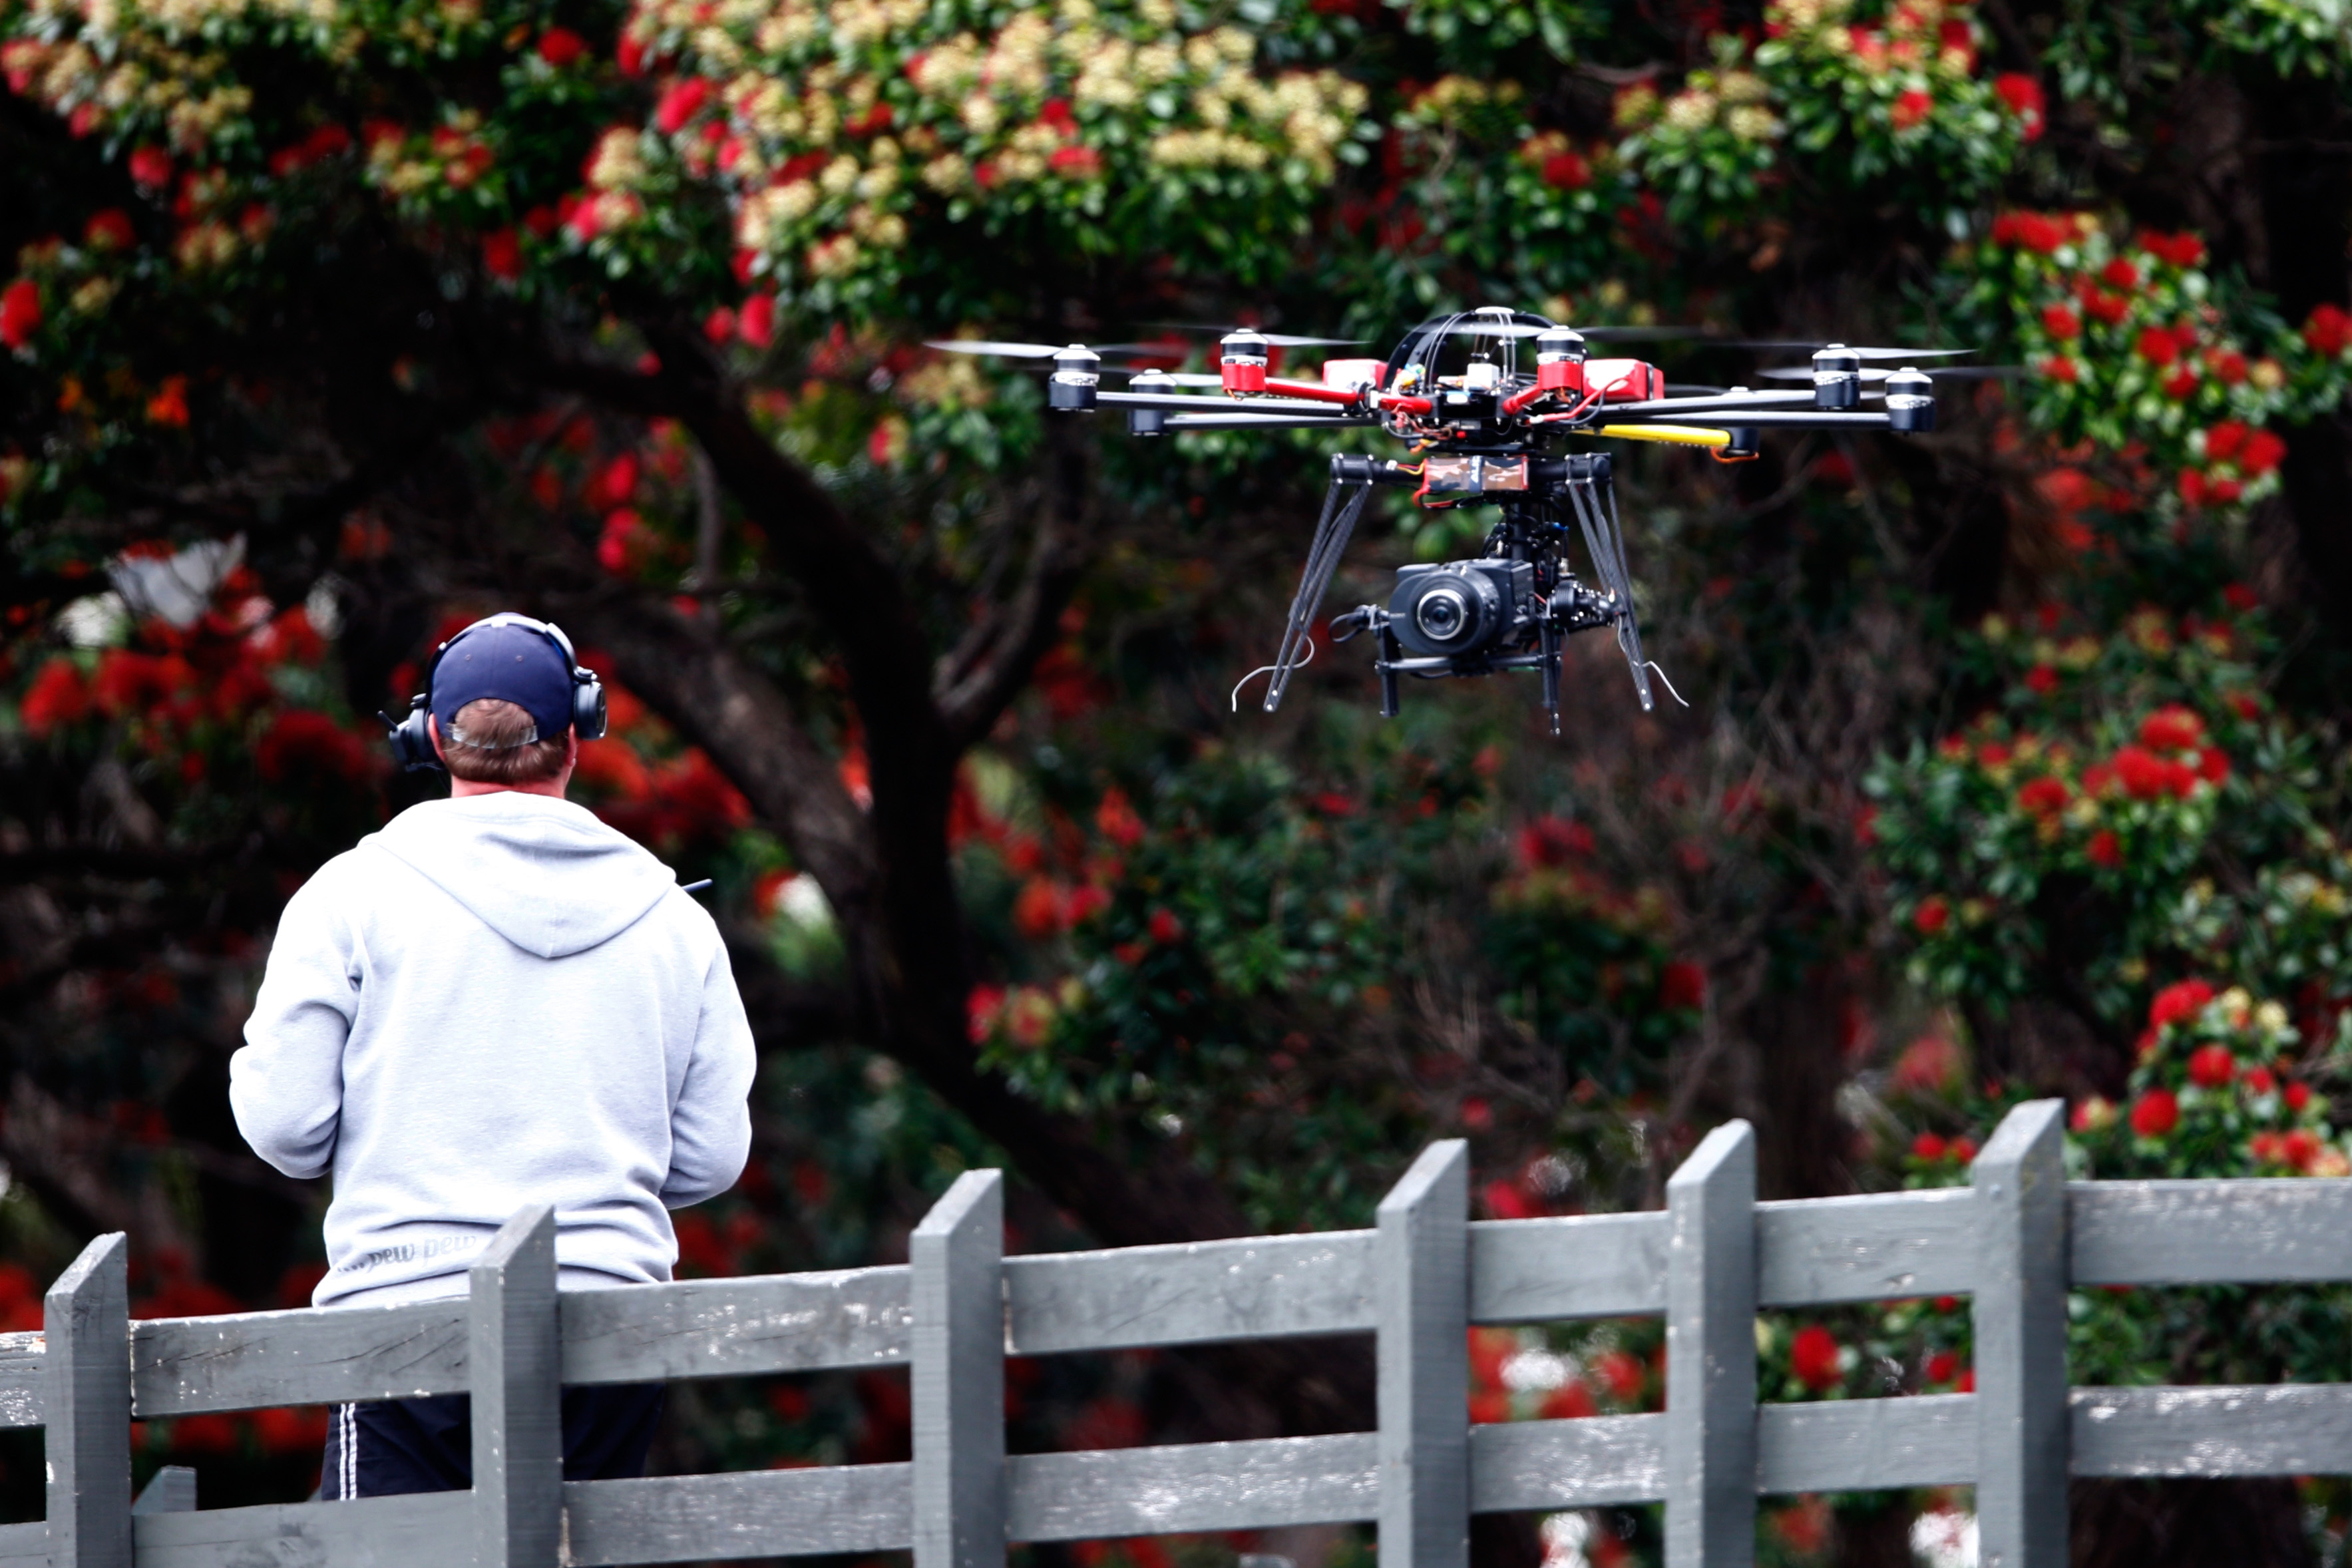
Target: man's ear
571	749
433	733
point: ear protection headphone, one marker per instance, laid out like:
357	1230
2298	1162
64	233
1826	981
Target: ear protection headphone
411	741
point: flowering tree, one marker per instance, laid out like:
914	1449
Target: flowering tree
363	315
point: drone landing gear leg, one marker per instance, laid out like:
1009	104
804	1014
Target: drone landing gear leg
1592	492
1332	531
1548	637
1389	653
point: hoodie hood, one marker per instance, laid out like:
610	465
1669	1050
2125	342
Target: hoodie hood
543	873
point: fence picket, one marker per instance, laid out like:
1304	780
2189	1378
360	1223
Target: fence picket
1421	1287
513	1348
1711	1471
86	1318
2019	1312
958	1349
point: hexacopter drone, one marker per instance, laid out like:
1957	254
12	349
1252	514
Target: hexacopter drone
1482	430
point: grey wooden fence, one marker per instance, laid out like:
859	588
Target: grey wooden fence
2015	1243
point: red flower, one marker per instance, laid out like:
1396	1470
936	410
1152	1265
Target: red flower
1115	819
2180	384
1038	910
2192	487
981	1009
2260	1082
2120	274
502	254
2023	96
2299	1148
2032	231
2171	727
108	230
2211	1066
618	541
305	742
1932	915
2156	346
2298	1095
1165	928
2263	451
1572	1401
2044	797
1813	1357
2223	440
2157	1113
1929	1146
2060	323
1911	109
680	104
2221	490
2182	999
58	696
2058	367
20	313
2041	680
2328	331
2104	849
1624	1373
1964	1150
2228	365
1567	171
1941	1366
1681	986
1552	841
720	326
151	168
1078	163
2142	774
2102	306
2179	250
170	404
757	320
559	46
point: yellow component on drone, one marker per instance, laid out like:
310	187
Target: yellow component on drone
1672	434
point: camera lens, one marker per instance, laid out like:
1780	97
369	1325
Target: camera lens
1442	614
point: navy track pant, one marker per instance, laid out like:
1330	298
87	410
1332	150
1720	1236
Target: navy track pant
393	1446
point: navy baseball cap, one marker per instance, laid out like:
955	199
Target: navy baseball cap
510	657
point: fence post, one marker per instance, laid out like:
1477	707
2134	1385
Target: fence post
86	1406
1711	1353
513	1349
958	1375
1421	1273
2020	1311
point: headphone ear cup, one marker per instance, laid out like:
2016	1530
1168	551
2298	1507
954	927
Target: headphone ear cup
412	743
588	716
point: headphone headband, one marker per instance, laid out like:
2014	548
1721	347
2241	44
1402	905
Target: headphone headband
411	740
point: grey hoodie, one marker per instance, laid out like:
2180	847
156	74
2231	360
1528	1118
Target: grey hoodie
496	1002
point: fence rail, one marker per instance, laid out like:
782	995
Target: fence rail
2014	1242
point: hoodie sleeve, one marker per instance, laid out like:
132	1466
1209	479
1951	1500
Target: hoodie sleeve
710	1127
286	1087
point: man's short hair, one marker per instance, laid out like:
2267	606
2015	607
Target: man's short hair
496	741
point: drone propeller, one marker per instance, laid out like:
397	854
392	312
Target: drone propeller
1035	351
1954	372
1866	354
1177	377
1273	340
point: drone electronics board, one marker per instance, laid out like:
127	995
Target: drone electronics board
1486	424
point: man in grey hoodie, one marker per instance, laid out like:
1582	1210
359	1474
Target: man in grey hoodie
497	1001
